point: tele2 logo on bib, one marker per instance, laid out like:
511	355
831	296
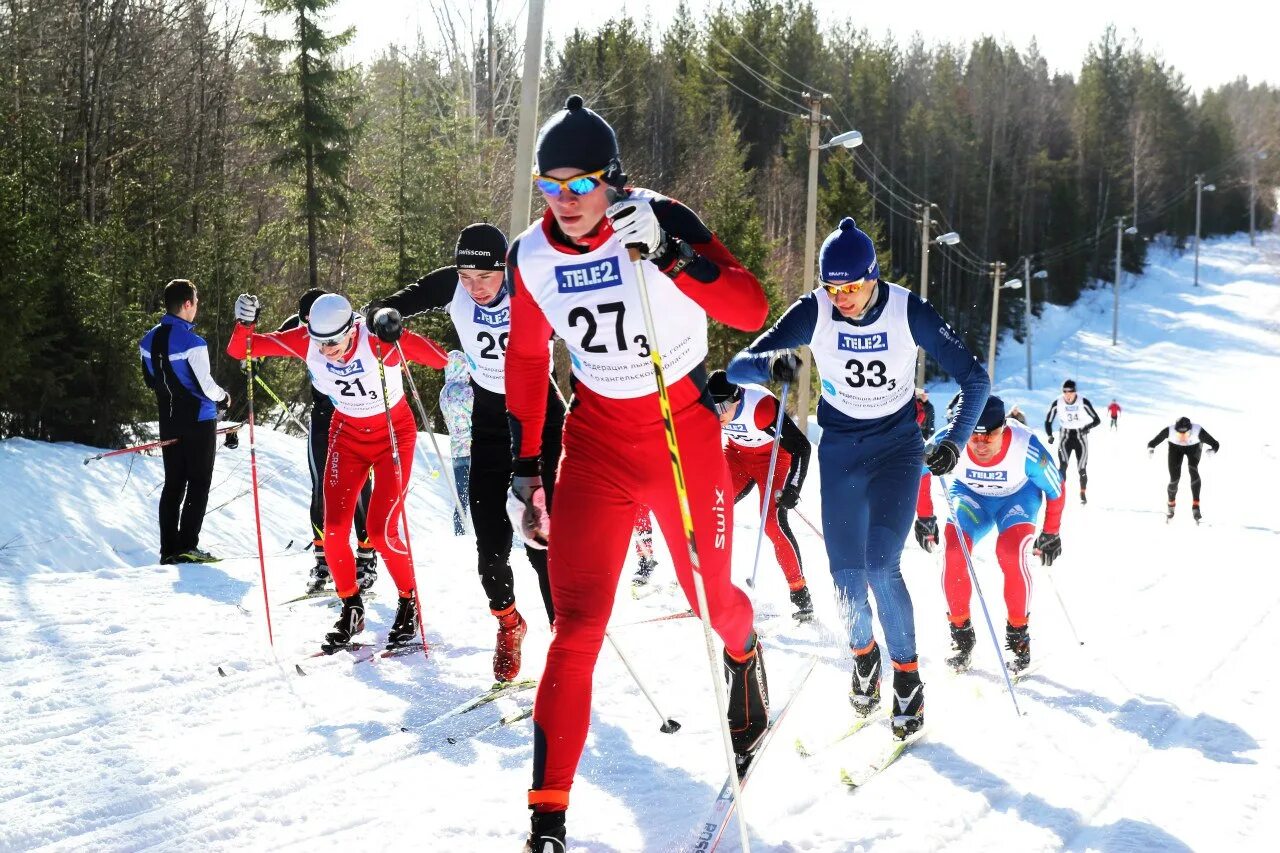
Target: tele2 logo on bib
876	342
492	319
345	369
732	427
595	275
987	476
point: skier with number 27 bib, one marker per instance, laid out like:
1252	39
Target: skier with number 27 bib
863	333
571	274
342	357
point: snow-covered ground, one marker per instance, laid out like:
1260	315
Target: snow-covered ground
117	733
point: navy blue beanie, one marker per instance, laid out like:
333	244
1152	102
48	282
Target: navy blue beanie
578	138
847	254
992	417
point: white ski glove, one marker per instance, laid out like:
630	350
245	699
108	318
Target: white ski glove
247	309
636	226
534	520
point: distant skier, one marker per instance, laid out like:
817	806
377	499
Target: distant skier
748	415
1185	439
864	334
1114	411
342	357
1003	476
457	398
924	413
1076	417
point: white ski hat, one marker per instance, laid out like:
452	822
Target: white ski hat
331	317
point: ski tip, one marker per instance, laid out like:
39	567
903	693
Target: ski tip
300	670
222	672
670	727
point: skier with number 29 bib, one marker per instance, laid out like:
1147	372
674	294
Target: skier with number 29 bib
571	275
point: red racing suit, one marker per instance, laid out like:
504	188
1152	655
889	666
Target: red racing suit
615	450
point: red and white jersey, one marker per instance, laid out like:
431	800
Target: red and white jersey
592	301
1184	439
867	371
353	385
744	430
1003	477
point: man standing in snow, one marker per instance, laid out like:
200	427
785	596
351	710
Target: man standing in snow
175	365
1076	417
1114	411
1003	477
1184	439
571	275
864	334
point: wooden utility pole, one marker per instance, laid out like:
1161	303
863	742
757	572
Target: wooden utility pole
522	183
810	248
995	321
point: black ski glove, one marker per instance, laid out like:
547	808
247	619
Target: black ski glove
387	325
1051	438
942	458
789	497
784	366
1048	548
926	530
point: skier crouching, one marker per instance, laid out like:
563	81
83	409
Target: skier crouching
342	357
1185	440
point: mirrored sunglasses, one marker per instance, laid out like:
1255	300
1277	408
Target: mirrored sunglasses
578	184
850	287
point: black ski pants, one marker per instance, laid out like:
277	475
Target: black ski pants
1073	441
1177	453
491	467
188	472
317	457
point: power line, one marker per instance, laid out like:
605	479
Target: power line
757	75
744	92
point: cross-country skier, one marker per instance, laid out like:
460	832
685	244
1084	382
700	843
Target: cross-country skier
175	365
1114	411
1076	417
863	333
572	275
317	457
748	416
1185	439
342	357
457	403
1004	475
477	299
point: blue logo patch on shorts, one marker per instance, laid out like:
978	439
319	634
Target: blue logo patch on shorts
493	319
876	342
596	275
345	369
997	476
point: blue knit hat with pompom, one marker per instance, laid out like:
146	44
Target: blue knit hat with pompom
847	254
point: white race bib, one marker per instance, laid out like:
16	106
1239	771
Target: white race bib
354	386
742	430
1006	476
867	371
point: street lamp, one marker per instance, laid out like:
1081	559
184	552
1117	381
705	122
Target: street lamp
1014	284
1115	287
951	238
848	139
1011	284
1201	187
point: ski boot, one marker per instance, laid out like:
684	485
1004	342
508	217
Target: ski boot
803	603
1195	511
908	700
350	622
1018	641
405	625
546	833
319	573
748	703
963	639
1083	499
506	651
865	694
1168	515
366	567
644	571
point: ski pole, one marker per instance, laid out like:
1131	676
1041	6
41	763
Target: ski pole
816	531
400	503
686	518
253	476
137	448
435	445
968	561
272	394
669	726
1053	586
768	488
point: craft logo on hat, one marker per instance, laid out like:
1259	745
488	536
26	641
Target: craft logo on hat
492	319
876	342
595	275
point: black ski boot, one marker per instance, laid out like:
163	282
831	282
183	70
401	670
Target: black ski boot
1018	641
963	639
865	693
642	574
366	567
405	626
803	603
1083	499
319	573
908	702
350	623
748	703
546	833
1195	511
1169	512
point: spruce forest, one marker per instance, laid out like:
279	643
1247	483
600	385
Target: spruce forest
144	140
